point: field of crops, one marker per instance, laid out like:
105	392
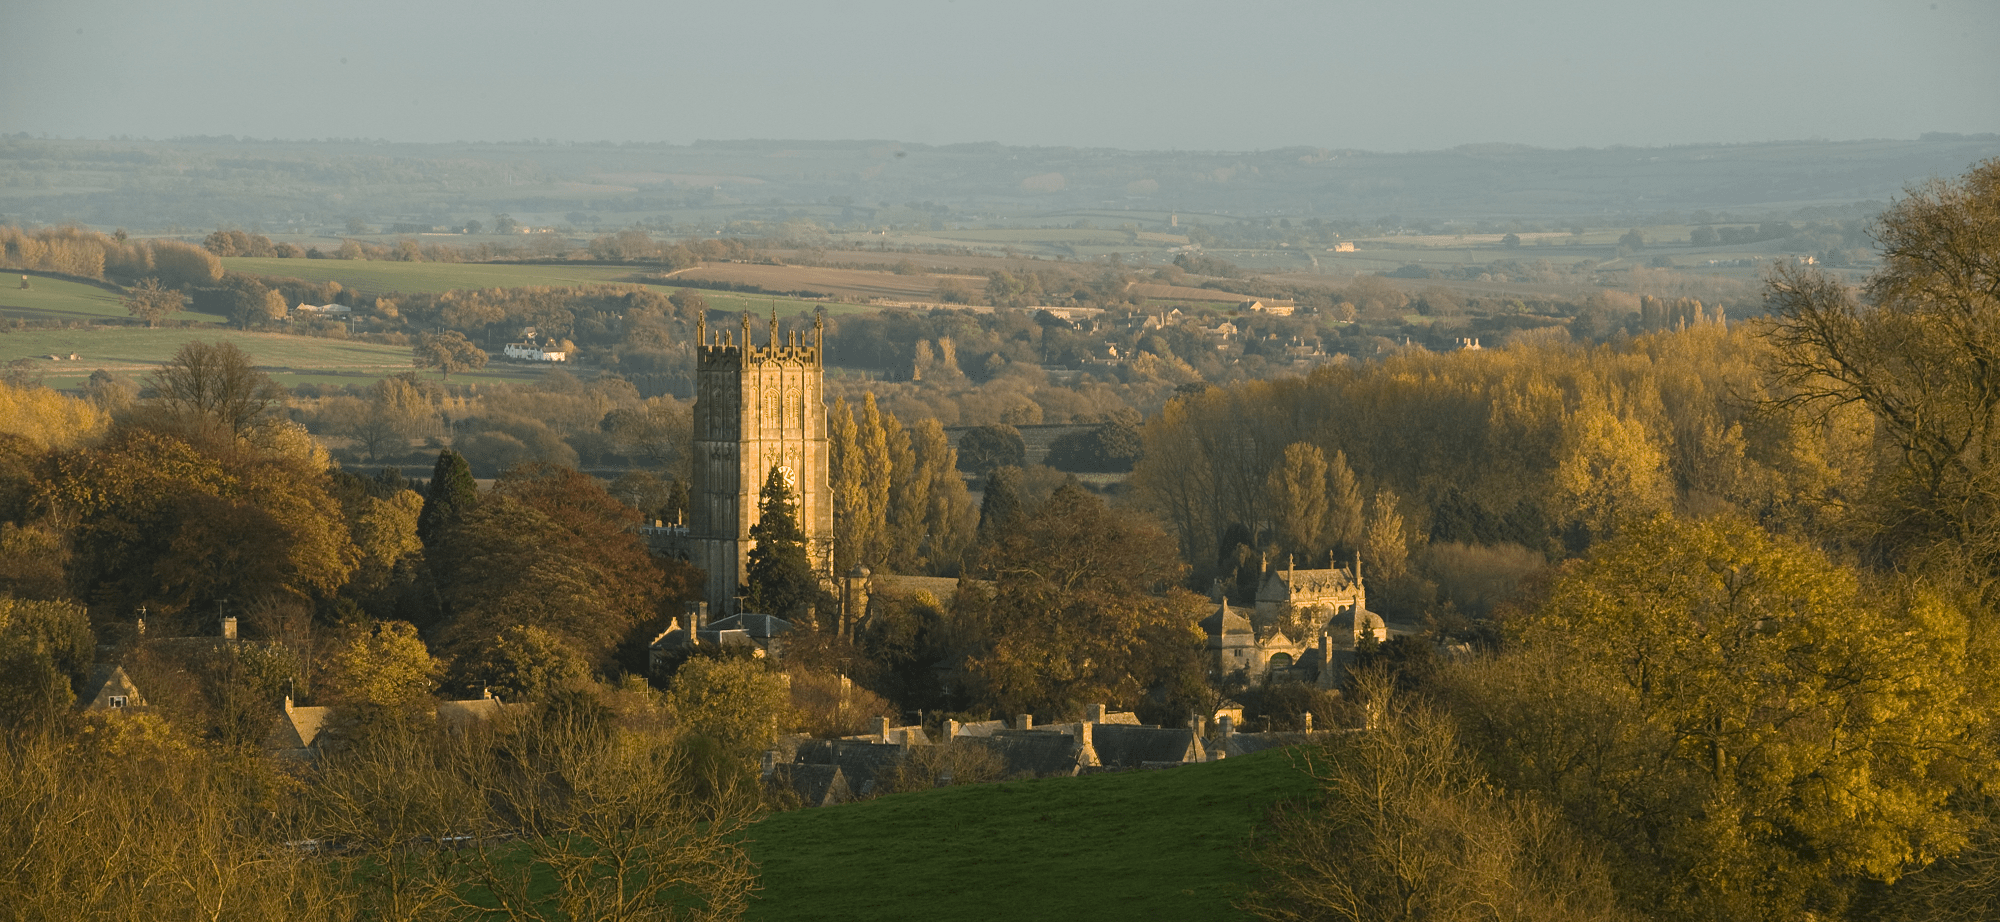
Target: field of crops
290	360
859	284
382	277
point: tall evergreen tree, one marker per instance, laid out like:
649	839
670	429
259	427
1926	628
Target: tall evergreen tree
780	575
1000	509
451	494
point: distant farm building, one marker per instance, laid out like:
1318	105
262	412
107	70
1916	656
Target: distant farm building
323	310
529	352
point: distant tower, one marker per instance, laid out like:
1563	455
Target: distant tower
756	409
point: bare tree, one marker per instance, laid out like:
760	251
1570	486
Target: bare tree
214	384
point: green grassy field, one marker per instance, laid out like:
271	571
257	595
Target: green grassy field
290	360
381	277
55	299
1153	846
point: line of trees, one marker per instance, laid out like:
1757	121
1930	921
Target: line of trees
1760	687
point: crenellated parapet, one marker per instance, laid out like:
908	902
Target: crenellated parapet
730	350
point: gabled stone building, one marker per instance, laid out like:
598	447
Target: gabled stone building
1328	608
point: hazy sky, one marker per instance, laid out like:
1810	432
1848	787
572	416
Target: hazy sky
1379	75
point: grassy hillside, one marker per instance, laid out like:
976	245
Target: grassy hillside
1155	846
66	301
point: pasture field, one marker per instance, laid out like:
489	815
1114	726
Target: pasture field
66	301
135	352
380	277
1157	845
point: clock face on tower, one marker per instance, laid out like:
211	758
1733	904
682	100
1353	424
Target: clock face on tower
791	478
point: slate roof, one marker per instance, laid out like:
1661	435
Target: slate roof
296	729
1125	746
758	627
1243	744
981	728
460	714
1342	627
1225	621
1034	753
864	765
105	682
815	785
1285	585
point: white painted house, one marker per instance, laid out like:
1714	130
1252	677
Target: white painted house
529	352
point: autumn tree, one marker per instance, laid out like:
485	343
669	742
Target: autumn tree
152	302
45	647
547	548
447	352
741	704
1083	609
159	520
1406	825
943	526
1298	488
985	448
214	385
1755	732
1345	512
1385	545
1919	347
848	484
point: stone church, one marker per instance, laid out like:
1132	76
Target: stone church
755	409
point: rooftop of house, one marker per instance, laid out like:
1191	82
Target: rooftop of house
1225	620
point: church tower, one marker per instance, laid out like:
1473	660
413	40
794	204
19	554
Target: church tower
756	409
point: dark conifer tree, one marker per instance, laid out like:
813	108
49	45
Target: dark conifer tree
780	575
1000	509
450	495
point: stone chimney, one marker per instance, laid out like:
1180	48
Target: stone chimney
1309	721
1096	714
229	627
697	613
1024	721
1228	728
1086	749
950	729
882	728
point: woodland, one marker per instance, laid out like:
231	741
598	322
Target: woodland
1706	603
